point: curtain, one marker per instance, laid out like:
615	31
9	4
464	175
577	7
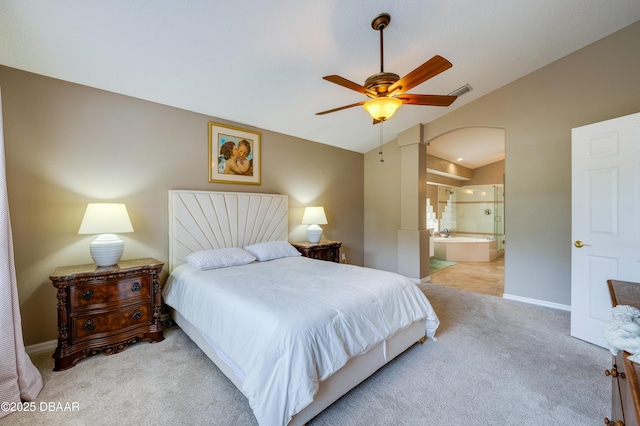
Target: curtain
20	380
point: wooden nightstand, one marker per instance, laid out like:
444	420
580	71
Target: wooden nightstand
105	309
324	250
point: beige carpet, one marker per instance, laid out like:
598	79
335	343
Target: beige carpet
496	362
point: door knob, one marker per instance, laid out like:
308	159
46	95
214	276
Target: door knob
579	244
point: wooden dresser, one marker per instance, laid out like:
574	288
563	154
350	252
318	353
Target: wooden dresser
105	309
625	374
324	250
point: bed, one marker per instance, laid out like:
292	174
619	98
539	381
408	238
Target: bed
293	334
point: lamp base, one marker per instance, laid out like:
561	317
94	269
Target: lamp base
106	250
314	232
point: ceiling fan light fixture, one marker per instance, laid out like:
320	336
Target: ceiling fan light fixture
382	108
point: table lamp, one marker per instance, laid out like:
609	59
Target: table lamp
106	219
314	216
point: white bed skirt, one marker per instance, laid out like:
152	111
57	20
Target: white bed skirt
354	372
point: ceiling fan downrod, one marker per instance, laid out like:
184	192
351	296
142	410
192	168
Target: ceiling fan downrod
379	23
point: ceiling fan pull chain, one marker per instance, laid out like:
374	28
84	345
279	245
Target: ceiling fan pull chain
381	135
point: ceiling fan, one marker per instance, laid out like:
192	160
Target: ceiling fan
387	90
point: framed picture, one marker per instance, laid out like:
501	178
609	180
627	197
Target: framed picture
234	155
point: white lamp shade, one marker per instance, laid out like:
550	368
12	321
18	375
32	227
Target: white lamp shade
106	219
314	216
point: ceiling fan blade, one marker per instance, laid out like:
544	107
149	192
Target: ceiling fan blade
424	72
340	108
432	100
341	81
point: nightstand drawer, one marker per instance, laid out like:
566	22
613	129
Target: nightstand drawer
332	254
95	293
324	250
111	322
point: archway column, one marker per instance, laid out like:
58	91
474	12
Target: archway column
413	237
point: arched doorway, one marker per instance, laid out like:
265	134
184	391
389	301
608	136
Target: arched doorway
465	210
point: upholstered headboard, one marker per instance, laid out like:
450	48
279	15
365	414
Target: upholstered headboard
202	220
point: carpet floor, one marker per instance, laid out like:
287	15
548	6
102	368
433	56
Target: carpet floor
496	362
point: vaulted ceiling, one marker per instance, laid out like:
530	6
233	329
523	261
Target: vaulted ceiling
261	63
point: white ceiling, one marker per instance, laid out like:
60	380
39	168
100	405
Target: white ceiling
261	63
471	147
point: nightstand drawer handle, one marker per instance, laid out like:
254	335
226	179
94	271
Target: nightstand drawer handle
87	295
135	286
88	325
614	373
136	314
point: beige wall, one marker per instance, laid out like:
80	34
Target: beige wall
432	194
382	208
491	174
67	145
538	112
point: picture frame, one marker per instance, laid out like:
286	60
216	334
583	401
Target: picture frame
234	155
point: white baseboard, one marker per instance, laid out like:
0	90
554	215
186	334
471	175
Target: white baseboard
42	347
537	302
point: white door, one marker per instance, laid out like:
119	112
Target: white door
605	220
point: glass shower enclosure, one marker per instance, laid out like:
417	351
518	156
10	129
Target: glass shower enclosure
473	211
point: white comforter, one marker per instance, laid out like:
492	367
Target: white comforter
289	323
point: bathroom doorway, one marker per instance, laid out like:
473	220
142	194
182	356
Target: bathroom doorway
465	209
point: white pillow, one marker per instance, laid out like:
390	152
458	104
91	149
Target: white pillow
219	258
272	250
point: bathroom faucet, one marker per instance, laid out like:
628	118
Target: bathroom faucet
445	232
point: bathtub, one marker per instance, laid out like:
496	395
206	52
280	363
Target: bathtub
465	249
